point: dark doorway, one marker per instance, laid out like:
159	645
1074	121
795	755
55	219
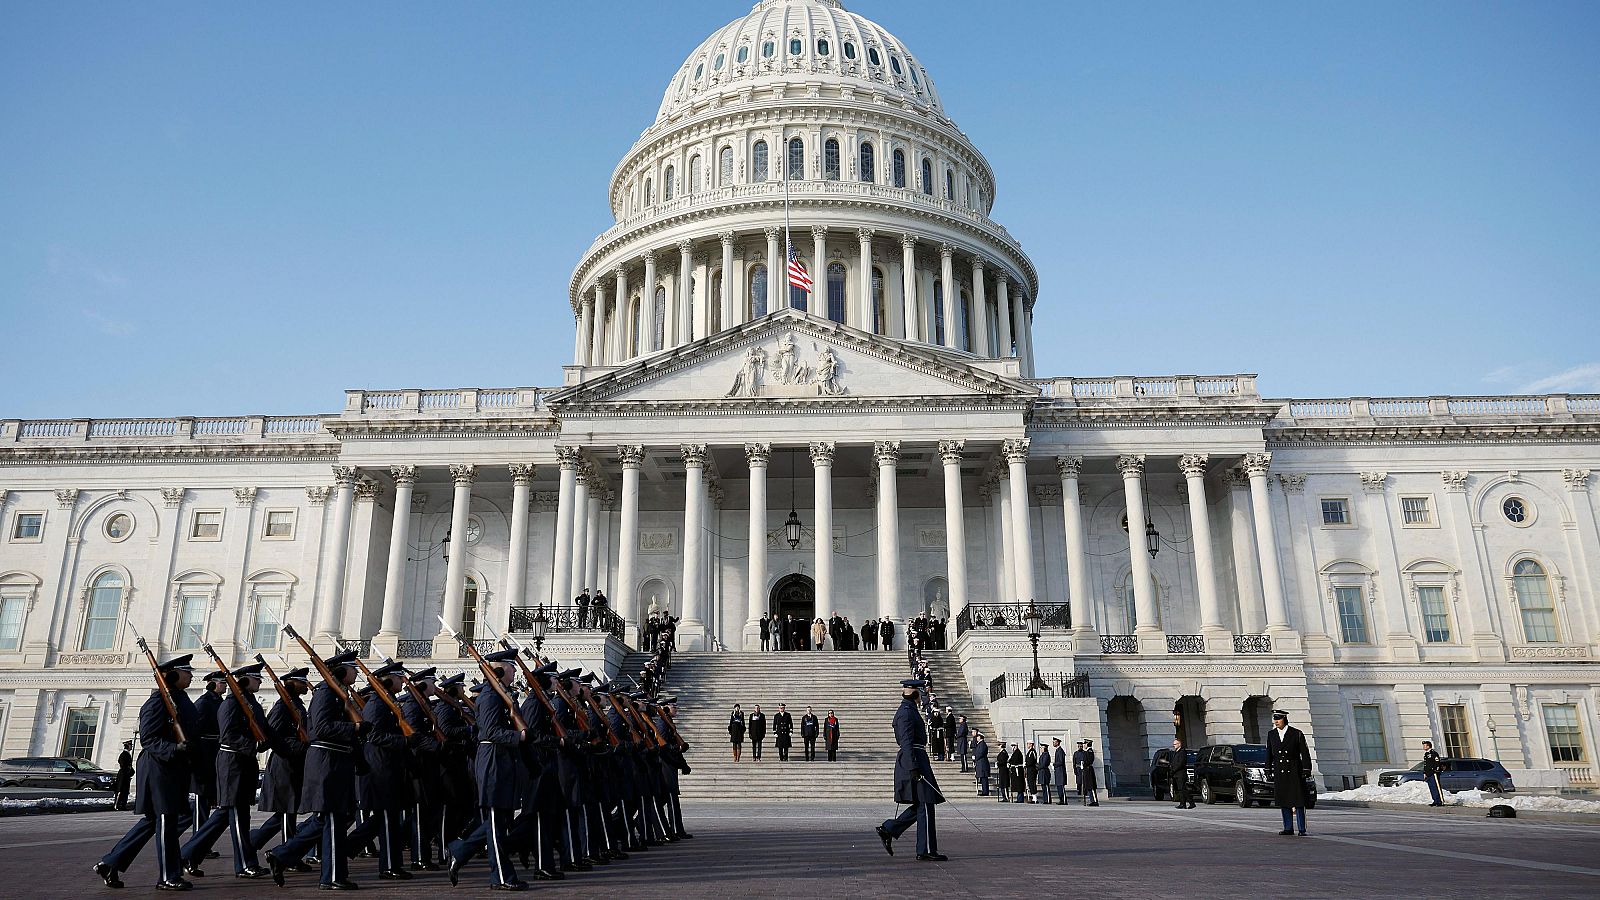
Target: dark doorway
795	595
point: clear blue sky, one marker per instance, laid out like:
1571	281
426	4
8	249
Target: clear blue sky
219	208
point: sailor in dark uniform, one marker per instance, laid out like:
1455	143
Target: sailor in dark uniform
162	783
203	750
280	786
914	783
1288	767
236	778
502	780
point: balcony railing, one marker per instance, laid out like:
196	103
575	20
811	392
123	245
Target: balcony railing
1186	643
456	400
414	649
568	619
362	646
179	429
1015	684
1252	643
1119	643
1463	410
483	645
1010	615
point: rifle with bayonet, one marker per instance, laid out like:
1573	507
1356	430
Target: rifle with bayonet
162	687
491	675
287	698
238	692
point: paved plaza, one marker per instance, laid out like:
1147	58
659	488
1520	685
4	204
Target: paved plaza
1122	849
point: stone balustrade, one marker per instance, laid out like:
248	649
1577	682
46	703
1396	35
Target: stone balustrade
180	429
1441	410
408	403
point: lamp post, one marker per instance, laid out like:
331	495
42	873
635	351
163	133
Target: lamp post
540	623
1034	619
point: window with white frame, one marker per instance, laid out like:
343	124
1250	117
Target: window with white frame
1416	512
13	609
1536	602
279	525
206	525
1371	743
105	608
1454	730
191	627
77	738
1352	607
29	526
1564	730
1435	613
268	619
1336	512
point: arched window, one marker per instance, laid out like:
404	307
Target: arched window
894	63
822	47
669	184
868	162
649	193
469	610
758	291
716	302
658	339
797	159
836	295
949	184
635	314
849	50
880	308
938	312
743	55
690	303
830	160
927	177
726	166
105	608
899	168
696	174
964	336
768	48
758	162
722	57
1536	602
872	56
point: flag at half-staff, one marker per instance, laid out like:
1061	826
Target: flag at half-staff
798	276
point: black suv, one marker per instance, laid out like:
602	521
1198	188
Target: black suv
1161	771
1239	772
54	772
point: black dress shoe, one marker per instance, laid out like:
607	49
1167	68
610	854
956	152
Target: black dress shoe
887	838
617	854
177	884
215	854
1286	831
509	886
425	867
932	857
108	875
548	875
252	872
302	866
600	859
683	836
342	885
582	865
275	867
1303	834
394	875
193	870
455	870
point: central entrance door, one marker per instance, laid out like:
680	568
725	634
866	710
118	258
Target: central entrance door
795	595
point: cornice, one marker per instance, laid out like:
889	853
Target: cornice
757	407
1402	435
365	429
174	453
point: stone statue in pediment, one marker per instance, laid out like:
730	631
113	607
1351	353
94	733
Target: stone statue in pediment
786	367
748	382
827	379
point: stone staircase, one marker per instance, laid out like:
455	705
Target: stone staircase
862	688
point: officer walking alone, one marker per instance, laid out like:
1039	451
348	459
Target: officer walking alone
914	784
1288	765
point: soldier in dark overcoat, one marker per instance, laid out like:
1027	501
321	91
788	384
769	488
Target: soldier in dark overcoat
1288	767
280	785
782	730
980	763
238	773
914	783
502	778
673	764
385	792
427	783
203	750
458	792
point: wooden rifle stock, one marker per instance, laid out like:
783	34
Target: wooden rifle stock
493	678
238	695
287	698
533	685
351	711
165	691
387	698
422	701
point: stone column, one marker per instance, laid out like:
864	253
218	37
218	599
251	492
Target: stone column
579	568
758	455
692	630
586	328
1008	544
622	298
819	273
864	248
947	278
625	602
1002	288
1025	335
684	329
591	534
1256	466
1016	452
331	609
822	475
729	318
980	308
394	581
566	499
647	302
1068	468
517	559
777	271
908	284
955	525
1193	467
455	571
887	456
1144	595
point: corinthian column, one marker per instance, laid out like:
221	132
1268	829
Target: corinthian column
1002	292
819	271
887	456
692	630
331	608
758	455
822	475
865	307
561	565
647	302
1144	596
585	328
1193	467
623	592
777	271
729	317
1016	452
980	311
517	559
455	571
578	567
1256	466
394	586
955	526
908	284
600	314
683	330
947	304
1068	468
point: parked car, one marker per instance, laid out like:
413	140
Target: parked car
1461	773
1239	773
54	772
1161	771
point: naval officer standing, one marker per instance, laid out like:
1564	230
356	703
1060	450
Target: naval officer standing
914	783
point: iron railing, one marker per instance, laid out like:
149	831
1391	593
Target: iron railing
1119	643
483	645
1009	615
414	649
362	646
567	618
1186	643
1252	643
1015	684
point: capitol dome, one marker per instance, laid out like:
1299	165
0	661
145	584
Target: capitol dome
781	39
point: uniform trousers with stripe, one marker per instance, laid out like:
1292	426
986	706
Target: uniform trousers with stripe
491	835
387	826
281	826
165	828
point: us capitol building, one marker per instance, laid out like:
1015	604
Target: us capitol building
721	445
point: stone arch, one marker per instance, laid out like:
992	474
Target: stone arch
1514	484
153	520
663	590
1125	755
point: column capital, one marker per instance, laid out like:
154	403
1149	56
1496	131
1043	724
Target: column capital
463	473
951	451
632	455
865	234
886	453
171	497
246	496
727	240
587	301
403	474
345	476
620	273
686	246
819	231
1131	465
1002	280
568	457
694	455
1193	465
909	241
1374	482
1454	481
317	494
1255	464
946	251
1016	450
1292	483
1069	466
1577	480
979	263
822	453
772	232
522	473
367	491
758	455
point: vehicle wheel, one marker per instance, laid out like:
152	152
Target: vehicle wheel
88	786
1492	787
1207	795
1244	797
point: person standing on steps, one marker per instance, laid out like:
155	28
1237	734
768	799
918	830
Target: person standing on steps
949	732
808	734
869	634
1288	767
819	632
758	731
736	731
830	736
782	728
766	632
886	634
1061	770
980	763
914	784
963	741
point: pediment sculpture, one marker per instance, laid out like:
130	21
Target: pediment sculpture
780	372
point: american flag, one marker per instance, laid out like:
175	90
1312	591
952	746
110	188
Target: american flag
798	277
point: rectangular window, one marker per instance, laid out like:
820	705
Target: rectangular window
29	527
11	610
1352	614
1561	726
105	609
280	524
207	525
191	622
1335	511
1453	727
1370	741
1435	614
77	741
1416	511
269	613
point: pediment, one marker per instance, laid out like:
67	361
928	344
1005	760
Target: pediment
792	357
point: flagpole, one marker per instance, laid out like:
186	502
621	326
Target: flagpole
788	247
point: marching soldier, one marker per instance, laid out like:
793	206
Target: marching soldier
672	764
386	792
162	781
1431	767
502	781
203	754
280	786
457	790
538	824
914	784
426	812
808	734
236	777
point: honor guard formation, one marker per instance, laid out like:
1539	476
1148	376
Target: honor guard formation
536	769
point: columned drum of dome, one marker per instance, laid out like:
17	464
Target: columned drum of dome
814	115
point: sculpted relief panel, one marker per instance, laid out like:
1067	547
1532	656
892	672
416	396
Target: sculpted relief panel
783	372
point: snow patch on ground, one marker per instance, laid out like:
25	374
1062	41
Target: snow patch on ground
1416	792
39	804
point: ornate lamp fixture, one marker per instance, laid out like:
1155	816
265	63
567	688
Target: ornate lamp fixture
446	544
540	623
1152	537
792	526
1035	619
